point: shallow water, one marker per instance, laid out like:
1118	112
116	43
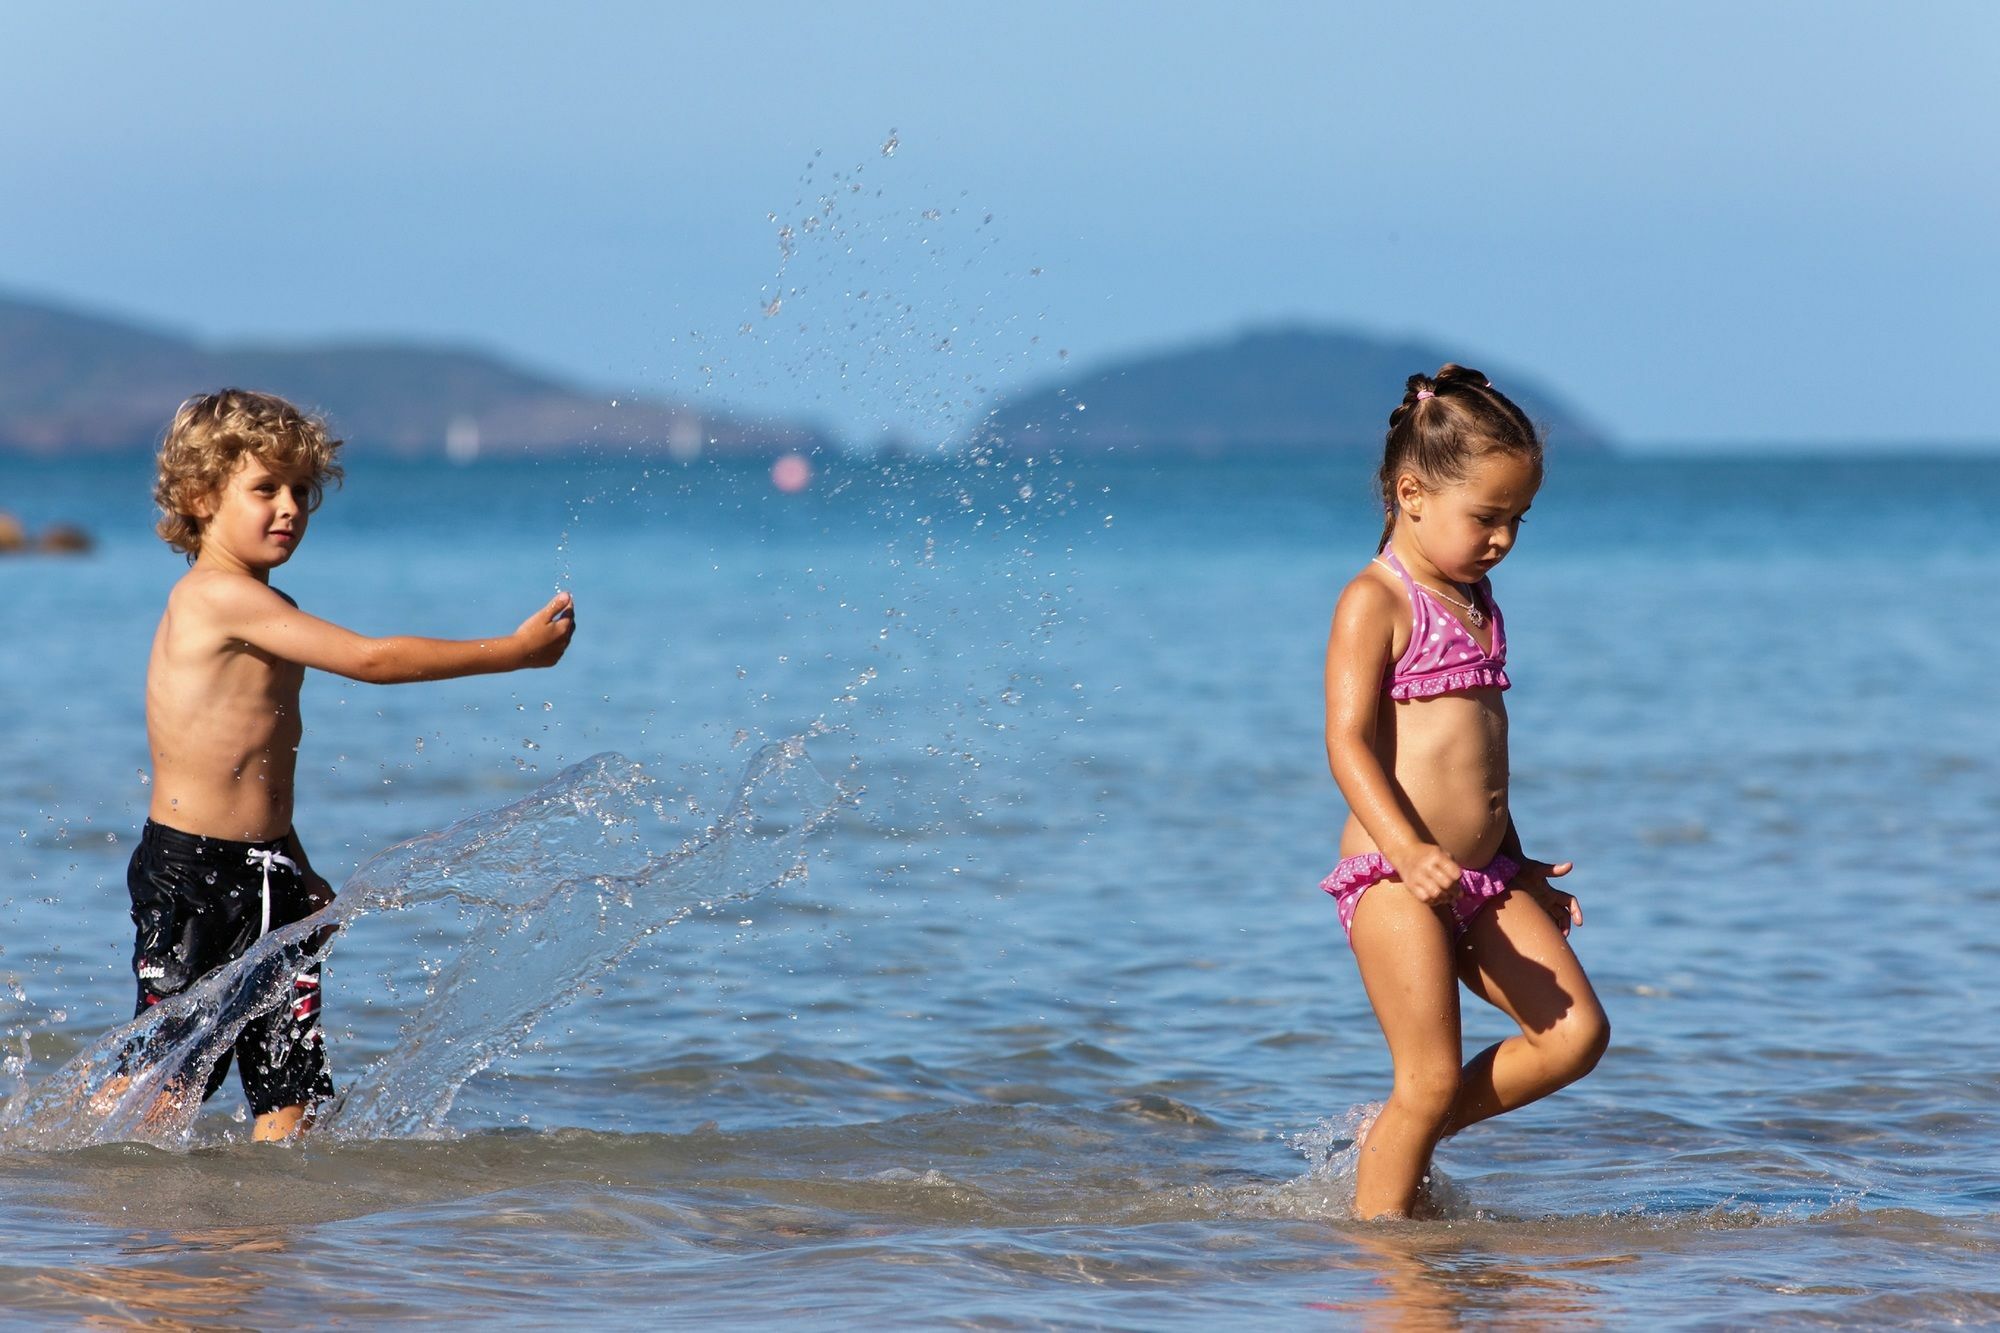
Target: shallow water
1055	1028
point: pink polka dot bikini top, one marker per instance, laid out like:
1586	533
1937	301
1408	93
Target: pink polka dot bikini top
1443	657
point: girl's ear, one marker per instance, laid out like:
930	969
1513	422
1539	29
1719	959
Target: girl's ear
1409	494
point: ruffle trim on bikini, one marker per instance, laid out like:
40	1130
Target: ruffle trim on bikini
1368	868
1358	872
1447	682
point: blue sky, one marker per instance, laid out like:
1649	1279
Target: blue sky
1705	223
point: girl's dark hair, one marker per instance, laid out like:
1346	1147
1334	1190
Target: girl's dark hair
1443	425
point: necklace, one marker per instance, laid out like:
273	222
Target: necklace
1473	615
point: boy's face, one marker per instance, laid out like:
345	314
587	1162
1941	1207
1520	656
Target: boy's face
256	520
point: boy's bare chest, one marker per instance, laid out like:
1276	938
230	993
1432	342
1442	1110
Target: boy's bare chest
193	675
253	679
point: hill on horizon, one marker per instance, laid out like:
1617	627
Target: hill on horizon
77	383
1290	386
73	383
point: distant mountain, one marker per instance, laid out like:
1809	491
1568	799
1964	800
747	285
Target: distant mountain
1290	387
74	383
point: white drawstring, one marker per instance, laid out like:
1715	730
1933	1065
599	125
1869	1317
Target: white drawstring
267	859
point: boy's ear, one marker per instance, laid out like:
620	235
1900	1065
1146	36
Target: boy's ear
203	506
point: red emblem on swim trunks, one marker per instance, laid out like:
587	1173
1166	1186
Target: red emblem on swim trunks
305	997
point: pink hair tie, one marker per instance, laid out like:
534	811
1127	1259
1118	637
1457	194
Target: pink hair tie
1423	394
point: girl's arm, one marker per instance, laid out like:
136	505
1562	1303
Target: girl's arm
1359	653
1534	880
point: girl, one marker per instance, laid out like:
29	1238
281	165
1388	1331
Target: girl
1433	888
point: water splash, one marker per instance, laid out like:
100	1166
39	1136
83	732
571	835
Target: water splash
905	314
582	887
552	890
142	1082
1326	1190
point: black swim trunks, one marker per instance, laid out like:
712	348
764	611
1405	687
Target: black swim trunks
198	903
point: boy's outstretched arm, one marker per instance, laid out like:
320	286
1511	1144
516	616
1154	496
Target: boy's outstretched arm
260	617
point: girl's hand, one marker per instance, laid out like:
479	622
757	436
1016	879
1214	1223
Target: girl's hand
1430	875
1533	880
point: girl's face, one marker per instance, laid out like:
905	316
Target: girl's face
256	520
1467	527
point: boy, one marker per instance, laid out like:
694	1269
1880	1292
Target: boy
218	864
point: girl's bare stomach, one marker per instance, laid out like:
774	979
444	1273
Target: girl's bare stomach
1447	757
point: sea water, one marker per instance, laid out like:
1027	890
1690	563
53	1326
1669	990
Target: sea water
900	907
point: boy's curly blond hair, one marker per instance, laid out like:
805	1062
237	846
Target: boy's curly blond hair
212	431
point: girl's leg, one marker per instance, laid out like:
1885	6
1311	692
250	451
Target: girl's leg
1516	959
1405	955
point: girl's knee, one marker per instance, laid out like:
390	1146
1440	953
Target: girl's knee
1427	1094
1600	1036
1583	1036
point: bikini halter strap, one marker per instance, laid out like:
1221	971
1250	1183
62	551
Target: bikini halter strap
1387	559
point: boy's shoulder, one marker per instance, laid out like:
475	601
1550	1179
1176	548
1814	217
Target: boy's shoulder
221	595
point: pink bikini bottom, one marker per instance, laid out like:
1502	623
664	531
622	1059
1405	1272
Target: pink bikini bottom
1351	878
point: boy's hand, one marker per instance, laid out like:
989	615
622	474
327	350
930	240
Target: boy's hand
1533	880
1430	875
545	635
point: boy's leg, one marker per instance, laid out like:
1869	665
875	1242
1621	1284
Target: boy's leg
1404	951
287	1122
1516	959
179	1091
171	951
282	1057
282	1053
